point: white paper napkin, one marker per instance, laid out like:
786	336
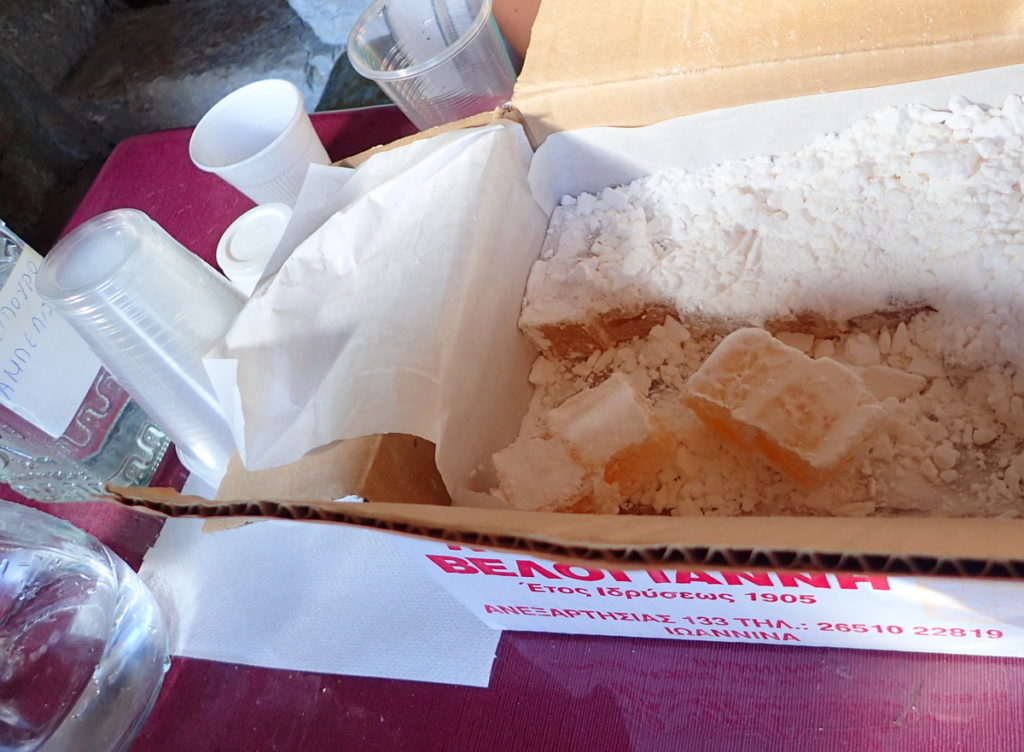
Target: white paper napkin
313	597
397	313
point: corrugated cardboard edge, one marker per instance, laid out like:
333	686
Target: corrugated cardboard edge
633	64
946	547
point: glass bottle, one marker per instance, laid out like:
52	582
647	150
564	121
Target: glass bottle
83	644
66	427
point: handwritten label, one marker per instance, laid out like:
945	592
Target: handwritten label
46	369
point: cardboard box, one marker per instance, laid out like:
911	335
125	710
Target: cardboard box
635	64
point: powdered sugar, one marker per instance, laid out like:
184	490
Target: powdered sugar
913	211
952	444
910	206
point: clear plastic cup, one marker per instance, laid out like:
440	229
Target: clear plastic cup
83	645
260	140
150	310
438	60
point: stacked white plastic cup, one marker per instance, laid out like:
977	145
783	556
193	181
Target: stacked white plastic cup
150	310
247	245
260	140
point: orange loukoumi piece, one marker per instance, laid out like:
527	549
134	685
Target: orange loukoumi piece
598	448
809	418
540	473
614	434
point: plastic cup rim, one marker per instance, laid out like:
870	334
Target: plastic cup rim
482	17
48	277
226	102
7	232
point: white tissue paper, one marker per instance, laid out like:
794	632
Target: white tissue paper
397	314
326	598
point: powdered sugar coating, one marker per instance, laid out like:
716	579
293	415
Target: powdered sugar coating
554	477
602	422
909	206
953	445
913	210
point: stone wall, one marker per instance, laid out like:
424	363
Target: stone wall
164	66
46	39
331	20
41	145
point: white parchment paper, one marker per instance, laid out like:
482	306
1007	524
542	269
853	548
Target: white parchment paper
398	312
327	598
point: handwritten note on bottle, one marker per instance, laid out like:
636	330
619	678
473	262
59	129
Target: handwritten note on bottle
46	369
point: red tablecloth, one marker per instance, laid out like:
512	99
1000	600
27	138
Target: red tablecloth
547	692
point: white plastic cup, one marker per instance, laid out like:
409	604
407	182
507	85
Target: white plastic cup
260	140
438	60
150	310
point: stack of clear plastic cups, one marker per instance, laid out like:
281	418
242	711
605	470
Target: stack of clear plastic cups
109	439
150	310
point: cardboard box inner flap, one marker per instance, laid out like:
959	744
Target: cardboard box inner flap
642	62
385	468
634	64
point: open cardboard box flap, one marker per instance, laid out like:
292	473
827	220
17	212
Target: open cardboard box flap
642	62
633	64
